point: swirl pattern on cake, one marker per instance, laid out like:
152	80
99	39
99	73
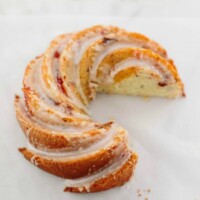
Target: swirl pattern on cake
58	85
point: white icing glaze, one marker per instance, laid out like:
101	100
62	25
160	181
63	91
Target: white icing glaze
52	97
103	143
105	51
79	48
53	66
48	98
33	160
33	81
82	47
54	128
132	62
89	180
129	62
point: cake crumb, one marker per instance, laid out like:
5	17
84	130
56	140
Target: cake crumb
143	192
138	190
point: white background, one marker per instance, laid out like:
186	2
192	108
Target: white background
133	8
165	133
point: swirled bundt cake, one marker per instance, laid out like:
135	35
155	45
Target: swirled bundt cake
58	85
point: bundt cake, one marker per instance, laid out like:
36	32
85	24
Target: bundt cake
58	85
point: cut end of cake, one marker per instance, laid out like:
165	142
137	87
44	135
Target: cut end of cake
143	84
62	138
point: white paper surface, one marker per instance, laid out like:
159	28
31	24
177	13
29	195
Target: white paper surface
165	133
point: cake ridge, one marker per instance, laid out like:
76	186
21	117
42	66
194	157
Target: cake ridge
58	85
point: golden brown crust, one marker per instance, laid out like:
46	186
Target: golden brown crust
144	54
59	84
60	97
155	47
115	179
88	57
43	137
125	74
32	98
77	167
33	103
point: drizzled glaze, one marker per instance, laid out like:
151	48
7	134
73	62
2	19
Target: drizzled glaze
52	104
86	182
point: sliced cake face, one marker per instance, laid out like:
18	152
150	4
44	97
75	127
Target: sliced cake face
58	85
90	50
137	71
